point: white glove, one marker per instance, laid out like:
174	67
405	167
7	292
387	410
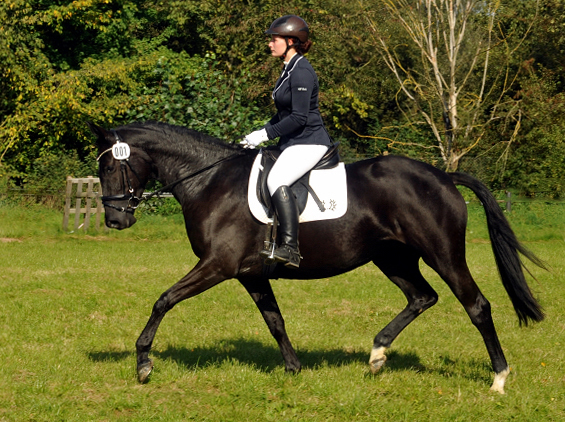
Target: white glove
255	138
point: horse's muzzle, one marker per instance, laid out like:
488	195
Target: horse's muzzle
119	220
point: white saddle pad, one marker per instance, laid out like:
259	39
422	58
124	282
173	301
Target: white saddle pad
330	185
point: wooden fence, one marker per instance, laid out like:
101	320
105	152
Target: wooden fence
85	189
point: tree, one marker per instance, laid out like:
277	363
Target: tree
107	61
22	63
462	80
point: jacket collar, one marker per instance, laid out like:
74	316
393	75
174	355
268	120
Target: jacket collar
287	70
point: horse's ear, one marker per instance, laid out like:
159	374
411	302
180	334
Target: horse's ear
102	134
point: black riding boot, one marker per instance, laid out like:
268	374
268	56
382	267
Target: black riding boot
287	212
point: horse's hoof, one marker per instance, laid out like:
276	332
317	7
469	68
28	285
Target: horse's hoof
295	369
144	370
496	389
377	364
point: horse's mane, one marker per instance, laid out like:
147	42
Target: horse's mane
180	134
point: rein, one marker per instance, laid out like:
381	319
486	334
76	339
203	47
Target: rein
135	201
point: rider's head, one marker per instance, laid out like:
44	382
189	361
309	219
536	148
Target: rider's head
294	30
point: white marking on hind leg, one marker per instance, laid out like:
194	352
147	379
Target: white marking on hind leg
499	380
377	359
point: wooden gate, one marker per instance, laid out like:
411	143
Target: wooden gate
89	190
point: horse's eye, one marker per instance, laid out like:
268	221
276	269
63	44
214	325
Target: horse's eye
109	169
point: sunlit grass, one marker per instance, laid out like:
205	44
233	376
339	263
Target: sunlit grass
72	307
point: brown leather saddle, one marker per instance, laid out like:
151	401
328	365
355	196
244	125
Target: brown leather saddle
301	188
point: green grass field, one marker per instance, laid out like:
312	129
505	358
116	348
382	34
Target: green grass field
72	306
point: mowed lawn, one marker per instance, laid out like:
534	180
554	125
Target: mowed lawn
72	306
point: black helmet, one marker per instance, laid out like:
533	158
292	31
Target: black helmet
290	26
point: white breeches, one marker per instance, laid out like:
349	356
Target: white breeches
293	163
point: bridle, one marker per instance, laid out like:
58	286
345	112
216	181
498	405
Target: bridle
135	201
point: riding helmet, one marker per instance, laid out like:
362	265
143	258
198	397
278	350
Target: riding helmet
290	26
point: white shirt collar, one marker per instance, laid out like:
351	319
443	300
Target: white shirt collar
286	62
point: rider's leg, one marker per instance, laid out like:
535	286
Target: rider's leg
292	164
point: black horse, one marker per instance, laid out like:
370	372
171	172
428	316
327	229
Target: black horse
399	211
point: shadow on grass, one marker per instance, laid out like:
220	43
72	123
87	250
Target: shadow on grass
263	357
254	353
268	358
473	369
110	356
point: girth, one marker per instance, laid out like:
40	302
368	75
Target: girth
301	187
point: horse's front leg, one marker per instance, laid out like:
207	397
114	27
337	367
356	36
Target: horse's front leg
199	279
263	296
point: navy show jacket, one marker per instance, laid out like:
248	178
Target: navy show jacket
298	119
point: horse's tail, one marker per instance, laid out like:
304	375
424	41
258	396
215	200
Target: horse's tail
505	246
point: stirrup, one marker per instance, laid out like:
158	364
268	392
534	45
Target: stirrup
267	253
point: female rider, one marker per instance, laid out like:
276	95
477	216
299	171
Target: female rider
298	124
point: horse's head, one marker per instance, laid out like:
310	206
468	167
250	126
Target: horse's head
122	180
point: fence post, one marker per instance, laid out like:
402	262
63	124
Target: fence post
89	194
68	192
78	204
508	201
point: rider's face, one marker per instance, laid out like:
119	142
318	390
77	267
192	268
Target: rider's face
278	46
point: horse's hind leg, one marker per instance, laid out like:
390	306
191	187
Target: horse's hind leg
461	283
262	293
400	265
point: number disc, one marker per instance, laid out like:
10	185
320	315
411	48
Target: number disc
120	151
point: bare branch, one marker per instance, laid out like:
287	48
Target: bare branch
454	80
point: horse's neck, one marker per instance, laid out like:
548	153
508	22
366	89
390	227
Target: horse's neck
174	162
